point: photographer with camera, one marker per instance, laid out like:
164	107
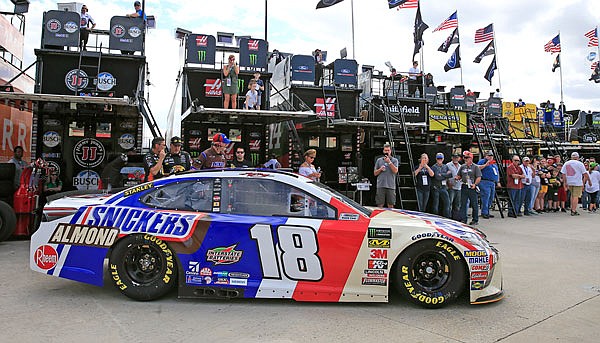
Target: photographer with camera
230	83
386	168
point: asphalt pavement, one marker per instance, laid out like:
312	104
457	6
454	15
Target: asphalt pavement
551	279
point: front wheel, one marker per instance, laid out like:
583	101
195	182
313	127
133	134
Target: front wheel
143	267
430	273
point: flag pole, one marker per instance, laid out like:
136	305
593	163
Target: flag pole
266	10
459	57
562	103
496	56
353	47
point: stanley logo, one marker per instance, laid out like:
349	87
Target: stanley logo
75	234
138	189
379	243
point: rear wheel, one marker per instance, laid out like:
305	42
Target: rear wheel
430	273
143	267
8	221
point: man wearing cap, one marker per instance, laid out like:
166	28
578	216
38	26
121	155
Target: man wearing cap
527	191
154	160
177	160
454	186
514	183
490	177
574	176
138	11
441	174
470	176
213	157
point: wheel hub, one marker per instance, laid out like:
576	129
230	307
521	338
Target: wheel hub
431	271
146	262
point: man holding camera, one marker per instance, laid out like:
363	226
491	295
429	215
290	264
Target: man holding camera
386	168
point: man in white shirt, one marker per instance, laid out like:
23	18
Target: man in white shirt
414	80
574	175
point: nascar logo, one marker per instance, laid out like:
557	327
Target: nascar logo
133	220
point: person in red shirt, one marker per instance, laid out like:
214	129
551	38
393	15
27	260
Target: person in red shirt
514	183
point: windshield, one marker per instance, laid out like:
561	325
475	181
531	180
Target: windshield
343	198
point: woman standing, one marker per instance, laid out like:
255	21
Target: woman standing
307	168
230	82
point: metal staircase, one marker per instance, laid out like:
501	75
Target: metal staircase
144	109
88	69
331	105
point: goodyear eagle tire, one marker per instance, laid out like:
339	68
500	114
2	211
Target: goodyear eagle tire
143	267
430	273
8	221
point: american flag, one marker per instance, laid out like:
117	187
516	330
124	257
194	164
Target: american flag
594	65
553	45
450	23
485	34
404	4
593	36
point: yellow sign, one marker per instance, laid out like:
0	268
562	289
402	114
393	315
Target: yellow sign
513	112
440	120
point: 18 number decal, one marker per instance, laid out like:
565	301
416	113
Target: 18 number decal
296	252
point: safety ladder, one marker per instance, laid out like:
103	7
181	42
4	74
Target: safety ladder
88	70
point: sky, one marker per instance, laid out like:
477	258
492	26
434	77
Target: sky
522	28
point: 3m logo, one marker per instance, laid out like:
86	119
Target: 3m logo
253	45
378	253
213	88
379	243
201	40
325	107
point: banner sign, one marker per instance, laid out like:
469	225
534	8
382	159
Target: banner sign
515	112
61	28
494	106
253	53
457	98
303	68
126	34
345	72
201	49
440	120
414	112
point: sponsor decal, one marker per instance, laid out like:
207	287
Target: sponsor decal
127	125
253	44
53	25
114	274
254	145
213	88
478	260
134	31
71	26
449	248
480	267
45	257
239	275
348	216
479	276
135	220
106	81
303	69
52	122
195	142
89	152
476	285
85	235
222	281
201	40
194	280
127	141
238	282
374	281
224	255
54	167
193	268
378	264
325	107
51	139
118	31
431	235
374	232
206	271
379	243
76	79
195	132
376	273
221	274
87	179
379	253
47	155
475	253
138	189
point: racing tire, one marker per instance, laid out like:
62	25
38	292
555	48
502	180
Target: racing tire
143	267
430	273
8	221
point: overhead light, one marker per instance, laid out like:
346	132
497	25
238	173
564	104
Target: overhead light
181	33
21	6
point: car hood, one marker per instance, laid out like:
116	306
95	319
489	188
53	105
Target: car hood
76	201
413	219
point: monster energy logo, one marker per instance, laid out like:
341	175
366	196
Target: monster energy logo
253	58
202	55
241	84
380	233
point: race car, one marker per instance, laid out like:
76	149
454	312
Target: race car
265	234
